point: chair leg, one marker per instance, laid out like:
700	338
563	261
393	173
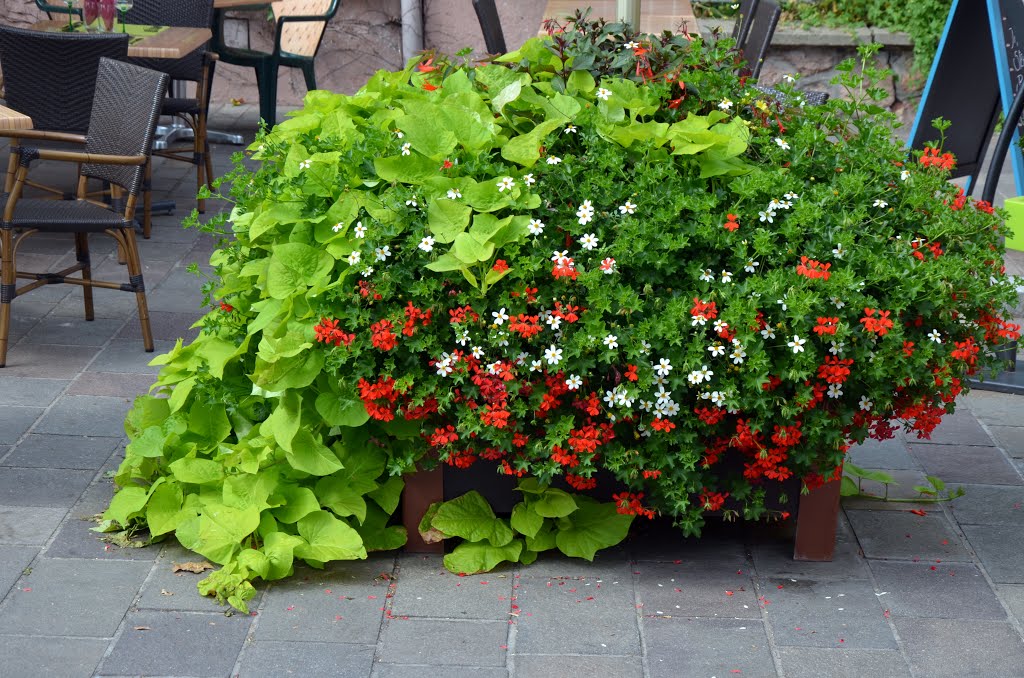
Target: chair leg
82	254
309	72
7	289
266	80
147	199
135	280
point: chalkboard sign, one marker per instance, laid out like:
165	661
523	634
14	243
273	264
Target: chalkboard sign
968	83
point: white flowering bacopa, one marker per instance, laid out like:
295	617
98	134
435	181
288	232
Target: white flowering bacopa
585	212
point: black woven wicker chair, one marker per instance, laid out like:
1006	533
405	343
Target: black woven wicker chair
490	26
51	78
197	68
117	146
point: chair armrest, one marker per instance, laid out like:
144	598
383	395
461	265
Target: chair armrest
29	154
41	135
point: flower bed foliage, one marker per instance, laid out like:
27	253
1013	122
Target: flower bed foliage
655	272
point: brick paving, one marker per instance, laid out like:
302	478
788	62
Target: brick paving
907	595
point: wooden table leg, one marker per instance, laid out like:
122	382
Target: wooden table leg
816	523
422	489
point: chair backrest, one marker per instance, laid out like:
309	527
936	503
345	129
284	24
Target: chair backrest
124	114
490	26
191	13
50	8
743	18
303	37
51	76
759	36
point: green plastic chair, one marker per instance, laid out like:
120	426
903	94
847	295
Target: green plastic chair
300	30
52	8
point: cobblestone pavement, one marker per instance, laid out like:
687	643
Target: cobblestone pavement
932	595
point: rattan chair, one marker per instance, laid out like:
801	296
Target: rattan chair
50	77
490	26
754	46
299	32
117	146
197	68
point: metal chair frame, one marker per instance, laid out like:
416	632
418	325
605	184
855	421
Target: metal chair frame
754	46
490	26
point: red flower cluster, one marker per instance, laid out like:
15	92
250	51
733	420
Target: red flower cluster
880	325
932	158
579	483
382	337
705	310
628	503
712	501
731	223
383	389
826	326
327	332
414	315
936	250
500	266
812	268
463	314
835	371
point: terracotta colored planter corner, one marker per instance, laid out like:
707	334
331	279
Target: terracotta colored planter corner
422	489
816	523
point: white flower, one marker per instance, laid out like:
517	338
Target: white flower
751	266
834	390
521	358
698	320
368	271
774	204
768	216
797	344
360	230
768	333
725	105
611	341
737	355
585	213
627	208
782	302
478	352
400	134
529	180
454	194
645	405
494	368
382	253
663	367
411	202
726	276
609	397
535	227
721	326
716	350
499	316
866	404
427	244
305	164
836	348
788	78
505	183
553	355
707	276
354	258
670	409
462	337
536	365
839	303
588	241
703	374
444	367
407	149
718	398
785	204
502	339
782	143
879	203
337	227
838	251
631	45
554	322
904	175
569	129
574	382
604	94
935	336
559	257
791	196
645	346
553	160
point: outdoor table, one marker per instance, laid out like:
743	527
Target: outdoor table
655	15
12	119
173	42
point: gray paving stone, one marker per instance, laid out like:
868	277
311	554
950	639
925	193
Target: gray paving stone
85	415
177	644
816	662
904	535
13	561
29	392
599	620
774	558
15	421
178	293
123	355
569	666
989	505
4	451
444	642
882	454
999	548
75	539
273	658
28	525
421	670
994	408
74	331
936	648
826	614
345	600
426	589
29	657
22	323
169	590
1013	596
62	451
42	486
47	361
721	544
707	647
959	428
106	303
665	589
166	326
942	590
73	598
901	487
551	564
1010	438
959	464
112	384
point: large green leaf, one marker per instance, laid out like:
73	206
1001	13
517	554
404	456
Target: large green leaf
554	503
328	538
389	494
311	456
217	531
294	267
163	511
469	250
126	504
283	422
294	372
481	556
471	517
377	534
280	548
339	496
407	169
246	490
341	411
197	471
447	218
525	520
594	527
297	502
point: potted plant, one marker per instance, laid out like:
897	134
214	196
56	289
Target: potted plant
603	252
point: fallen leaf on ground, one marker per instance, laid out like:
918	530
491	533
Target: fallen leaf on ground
196	567
165	592
237	102
142	628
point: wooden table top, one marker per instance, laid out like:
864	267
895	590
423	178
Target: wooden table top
11	119
173	42
230	4
655	15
